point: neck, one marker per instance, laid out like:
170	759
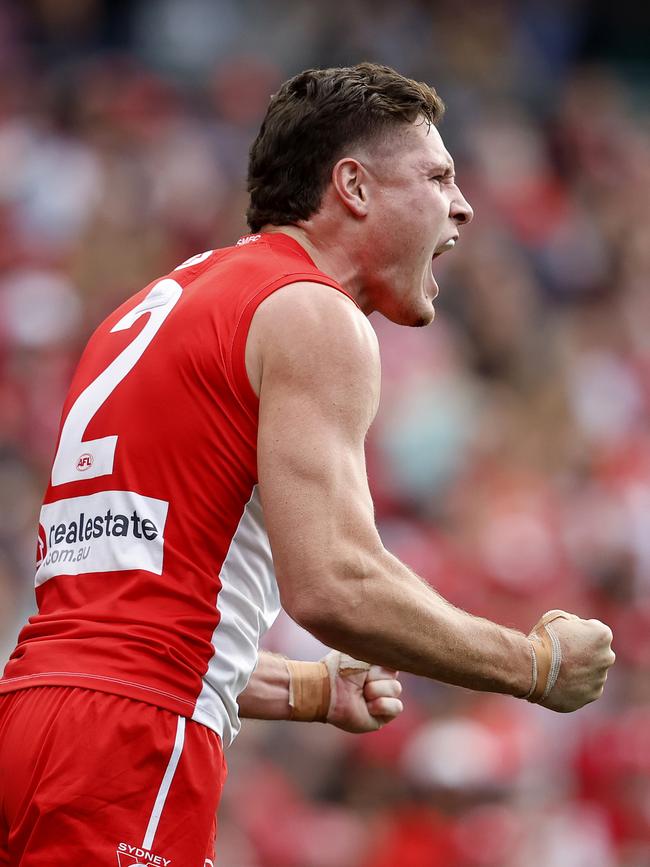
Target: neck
330	256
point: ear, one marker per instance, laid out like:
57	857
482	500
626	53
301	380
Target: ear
350	182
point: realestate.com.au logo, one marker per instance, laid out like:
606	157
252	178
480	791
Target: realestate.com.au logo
110	531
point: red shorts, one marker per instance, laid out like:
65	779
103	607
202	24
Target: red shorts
97	779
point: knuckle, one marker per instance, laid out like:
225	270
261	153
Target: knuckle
396	707
371	690
383	688
603	628
387	708
378	672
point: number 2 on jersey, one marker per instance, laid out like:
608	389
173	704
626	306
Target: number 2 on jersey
87	459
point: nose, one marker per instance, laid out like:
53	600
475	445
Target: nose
461	211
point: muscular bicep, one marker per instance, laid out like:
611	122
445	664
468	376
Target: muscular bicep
318	377
319	388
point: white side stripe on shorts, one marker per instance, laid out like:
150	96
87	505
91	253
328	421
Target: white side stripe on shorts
164	786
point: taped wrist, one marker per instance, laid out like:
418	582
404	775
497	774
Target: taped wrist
546	657
309	691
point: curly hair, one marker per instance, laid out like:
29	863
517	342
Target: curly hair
309	124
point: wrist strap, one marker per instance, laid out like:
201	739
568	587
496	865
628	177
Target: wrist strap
546	656
534	673
309	691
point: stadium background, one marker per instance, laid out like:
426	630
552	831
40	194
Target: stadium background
511	457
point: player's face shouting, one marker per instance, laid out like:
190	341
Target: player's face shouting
416	214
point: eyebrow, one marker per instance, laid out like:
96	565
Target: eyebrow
445	167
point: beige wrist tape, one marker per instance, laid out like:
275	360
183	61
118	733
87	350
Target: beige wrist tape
309	691
546	657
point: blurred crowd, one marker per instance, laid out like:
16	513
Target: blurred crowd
510	460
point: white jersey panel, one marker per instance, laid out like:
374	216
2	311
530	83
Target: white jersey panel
249	602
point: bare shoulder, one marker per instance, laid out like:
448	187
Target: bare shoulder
307	330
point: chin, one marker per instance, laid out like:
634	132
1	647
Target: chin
412	307
414	317
424	314
425	319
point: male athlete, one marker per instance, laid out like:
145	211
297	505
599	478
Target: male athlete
219	416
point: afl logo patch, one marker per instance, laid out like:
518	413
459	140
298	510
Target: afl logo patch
85	462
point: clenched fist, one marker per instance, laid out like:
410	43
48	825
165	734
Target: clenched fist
363	697
571	660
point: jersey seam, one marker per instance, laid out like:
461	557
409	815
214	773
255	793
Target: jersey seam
247	395
141	686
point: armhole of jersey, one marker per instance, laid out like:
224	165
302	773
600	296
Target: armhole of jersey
238	354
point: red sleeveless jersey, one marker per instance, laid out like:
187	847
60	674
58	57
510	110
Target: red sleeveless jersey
155	578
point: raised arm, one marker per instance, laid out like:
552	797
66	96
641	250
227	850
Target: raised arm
313	358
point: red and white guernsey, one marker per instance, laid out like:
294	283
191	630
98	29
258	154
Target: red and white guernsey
155	579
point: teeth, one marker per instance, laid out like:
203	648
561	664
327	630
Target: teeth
448	245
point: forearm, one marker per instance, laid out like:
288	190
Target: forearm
388	616
318	371
267	694
286	689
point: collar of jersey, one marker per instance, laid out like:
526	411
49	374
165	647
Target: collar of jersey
286	242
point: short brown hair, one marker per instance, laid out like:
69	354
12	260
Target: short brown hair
311	120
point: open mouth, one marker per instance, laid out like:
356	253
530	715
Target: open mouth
443	248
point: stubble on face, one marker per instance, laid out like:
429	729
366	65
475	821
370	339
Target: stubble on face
408	217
